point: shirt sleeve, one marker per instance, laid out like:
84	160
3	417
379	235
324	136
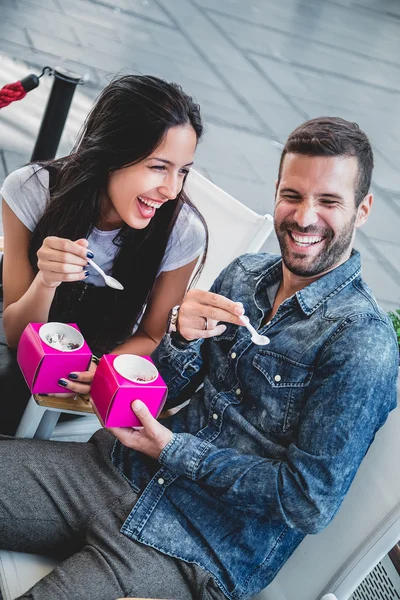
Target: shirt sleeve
25	191
186	242
345	408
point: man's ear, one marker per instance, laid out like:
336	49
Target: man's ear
363	210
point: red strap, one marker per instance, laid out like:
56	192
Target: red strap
10	93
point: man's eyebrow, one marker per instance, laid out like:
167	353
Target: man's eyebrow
168	162
328	195
290	190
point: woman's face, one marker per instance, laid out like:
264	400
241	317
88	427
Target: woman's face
136	192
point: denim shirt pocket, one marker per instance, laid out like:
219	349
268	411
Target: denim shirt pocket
283	389
220	347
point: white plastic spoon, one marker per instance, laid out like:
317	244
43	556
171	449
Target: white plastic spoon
256	338
110	281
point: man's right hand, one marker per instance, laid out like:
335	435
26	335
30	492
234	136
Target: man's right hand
61	260
206	308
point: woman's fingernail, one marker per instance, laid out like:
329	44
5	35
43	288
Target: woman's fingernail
87	273
43	394
90	254
73	376
239	310
63	382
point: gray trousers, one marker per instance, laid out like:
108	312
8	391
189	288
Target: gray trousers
67	500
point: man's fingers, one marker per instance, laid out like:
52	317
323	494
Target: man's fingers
142	413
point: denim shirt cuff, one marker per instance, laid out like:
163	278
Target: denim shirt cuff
183	454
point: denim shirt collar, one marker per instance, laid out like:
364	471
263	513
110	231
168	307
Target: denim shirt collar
313	295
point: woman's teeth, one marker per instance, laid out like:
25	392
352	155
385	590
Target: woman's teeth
150	203
305	240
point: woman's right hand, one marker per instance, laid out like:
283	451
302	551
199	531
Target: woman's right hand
61	260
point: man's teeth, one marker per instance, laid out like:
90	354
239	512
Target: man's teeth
150	202
304	240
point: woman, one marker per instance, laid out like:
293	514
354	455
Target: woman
118	197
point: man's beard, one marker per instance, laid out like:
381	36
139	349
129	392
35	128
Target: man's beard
329	256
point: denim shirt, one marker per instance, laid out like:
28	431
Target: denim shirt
266	450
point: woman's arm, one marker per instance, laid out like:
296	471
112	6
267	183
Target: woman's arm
27	298
169	290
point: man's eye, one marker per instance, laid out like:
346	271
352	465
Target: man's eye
329	202
287	197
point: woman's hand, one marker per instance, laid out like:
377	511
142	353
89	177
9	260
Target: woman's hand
149	439
61	260
201	312
78	382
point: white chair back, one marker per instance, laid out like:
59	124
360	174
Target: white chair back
233	228
366	527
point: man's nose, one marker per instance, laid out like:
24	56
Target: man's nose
306	214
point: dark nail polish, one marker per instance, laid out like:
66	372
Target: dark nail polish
73	376
62	382
90	254
87	273
43	394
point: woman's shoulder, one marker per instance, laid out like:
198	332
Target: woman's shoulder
25	191
187	240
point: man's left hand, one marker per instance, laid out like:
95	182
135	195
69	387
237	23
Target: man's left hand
150	439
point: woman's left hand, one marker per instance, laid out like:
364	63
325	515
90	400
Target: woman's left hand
149	439
78	382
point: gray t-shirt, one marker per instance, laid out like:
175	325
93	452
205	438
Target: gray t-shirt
26	192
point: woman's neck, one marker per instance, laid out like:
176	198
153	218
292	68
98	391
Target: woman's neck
109	218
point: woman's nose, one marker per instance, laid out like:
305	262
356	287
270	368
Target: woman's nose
170	187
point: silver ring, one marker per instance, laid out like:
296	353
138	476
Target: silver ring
206	323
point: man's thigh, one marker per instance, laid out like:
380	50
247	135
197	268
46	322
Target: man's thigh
48	490
111	566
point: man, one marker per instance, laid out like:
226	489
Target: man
217	496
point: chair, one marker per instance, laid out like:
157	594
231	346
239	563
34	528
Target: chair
233	230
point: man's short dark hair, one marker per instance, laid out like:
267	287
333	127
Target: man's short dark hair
333	136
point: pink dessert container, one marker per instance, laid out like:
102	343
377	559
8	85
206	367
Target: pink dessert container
42	365
118	381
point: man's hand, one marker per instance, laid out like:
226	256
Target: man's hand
206	308
150	439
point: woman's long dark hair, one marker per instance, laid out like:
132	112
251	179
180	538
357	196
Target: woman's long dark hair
128	122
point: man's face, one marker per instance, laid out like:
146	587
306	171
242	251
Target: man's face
315	212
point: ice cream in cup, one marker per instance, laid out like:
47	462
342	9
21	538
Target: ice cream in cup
61	337
135	368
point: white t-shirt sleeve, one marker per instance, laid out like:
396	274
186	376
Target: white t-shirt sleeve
186	242
26	192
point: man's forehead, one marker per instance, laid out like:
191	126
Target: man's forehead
304	167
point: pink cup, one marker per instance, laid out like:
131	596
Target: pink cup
121	379
43	364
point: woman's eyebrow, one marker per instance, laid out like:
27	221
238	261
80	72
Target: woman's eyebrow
168	162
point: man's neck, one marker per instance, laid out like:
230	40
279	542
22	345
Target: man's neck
292	283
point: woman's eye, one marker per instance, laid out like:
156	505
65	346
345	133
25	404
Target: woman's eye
185	171
158	167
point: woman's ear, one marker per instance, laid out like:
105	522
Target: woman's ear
363	210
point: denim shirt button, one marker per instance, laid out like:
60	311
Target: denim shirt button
238	392
277	377
233	355
215	416
160	481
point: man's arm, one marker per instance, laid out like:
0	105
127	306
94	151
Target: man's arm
345	408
